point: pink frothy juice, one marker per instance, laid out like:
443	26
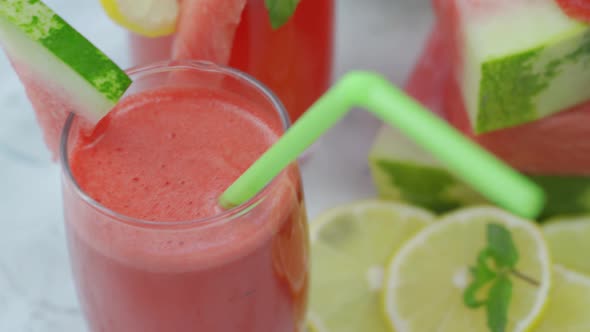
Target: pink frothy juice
151	250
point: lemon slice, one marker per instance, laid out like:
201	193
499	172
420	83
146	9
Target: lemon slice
427	278
569	304
569	242
150	18
350	246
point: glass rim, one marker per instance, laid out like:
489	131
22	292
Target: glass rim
168	66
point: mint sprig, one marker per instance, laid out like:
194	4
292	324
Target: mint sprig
495	264
280	11
498	303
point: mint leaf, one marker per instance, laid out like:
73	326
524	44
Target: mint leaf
502	248
482	275
498	304
280	11
495	265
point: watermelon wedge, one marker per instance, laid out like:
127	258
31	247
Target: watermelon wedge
556	145
62	71
516	61
403	171
206	29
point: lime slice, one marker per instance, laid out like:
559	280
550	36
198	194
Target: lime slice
150	18
60	69
350	245
569	303
427	278
569	242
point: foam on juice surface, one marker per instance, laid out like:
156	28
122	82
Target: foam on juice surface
166	156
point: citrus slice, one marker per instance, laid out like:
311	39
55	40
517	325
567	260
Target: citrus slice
60	69
569	303
427	278
569	242
350	246
150	18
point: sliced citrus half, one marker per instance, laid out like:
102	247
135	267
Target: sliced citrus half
569	303
150	18
427	278
569	242
350	246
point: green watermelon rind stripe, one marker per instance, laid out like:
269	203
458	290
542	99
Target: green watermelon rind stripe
68	45
510	84
566	195
507	90
419	184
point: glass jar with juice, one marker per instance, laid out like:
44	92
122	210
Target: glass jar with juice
294	61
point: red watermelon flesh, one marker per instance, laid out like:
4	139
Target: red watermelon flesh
51	106
206	29
577	9
431	72
61	70
556	145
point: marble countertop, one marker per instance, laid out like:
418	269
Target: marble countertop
36	292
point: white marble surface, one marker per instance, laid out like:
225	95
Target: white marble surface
36	293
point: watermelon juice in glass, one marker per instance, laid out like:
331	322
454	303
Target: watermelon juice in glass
151	250
295	60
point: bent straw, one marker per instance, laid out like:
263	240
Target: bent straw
490	176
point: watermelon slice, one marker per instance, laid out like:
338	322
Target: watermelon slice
402	171
61	70
206	29
516	61
556	145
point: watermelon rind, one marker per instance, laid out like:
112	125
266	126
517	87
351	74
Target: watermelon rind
523	61
402	171
36	38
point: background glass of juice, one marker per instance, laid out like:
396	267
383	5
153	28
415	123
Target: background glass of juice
243	269
294	61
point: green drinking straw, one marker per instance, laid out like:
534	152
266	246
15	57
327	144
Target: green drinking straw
493	178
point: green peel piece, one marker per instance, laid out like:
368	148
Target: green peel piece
402	171
35	36
523	61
